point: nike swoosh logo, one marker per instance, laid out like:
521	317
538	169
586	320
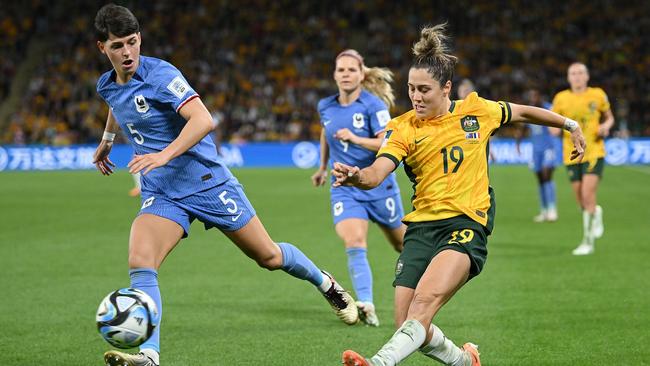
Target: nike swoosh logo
326	123
420	140
408	334
393	219
237	217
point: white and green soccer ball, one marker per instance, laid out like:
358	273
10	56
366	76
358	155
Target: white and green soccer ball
127	317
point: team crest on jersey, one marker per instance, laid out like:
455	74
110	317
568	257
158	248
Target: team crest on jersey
592	107
141	104
469	123
358	120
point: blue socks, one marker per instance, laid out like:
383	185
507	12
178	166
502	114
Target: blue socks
549	193
146	279
295	263
360	273
542	196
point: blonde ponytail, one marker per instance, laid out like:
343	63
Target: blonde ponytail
377	81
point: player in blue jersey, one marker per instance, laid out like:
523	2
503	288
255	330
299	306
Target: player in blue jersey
182	177
543	161
353	122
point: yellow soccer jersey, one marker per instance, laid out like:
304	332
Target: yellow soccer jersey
585	108
446	158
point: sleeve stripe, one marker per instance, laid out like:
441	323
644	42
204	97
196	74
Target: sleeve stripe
185	102
506	113
503	114
391	157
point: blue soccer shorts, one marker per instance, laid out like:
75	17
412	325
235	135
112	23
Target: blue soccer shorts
387	211
541	159
224	206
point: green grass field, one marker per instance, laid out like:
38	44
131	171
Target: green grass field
63	246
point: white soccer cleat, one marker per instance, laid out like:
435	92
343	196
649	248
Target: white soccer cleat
540	218
342	302
117	358
551	215
367	313
583	249
598	226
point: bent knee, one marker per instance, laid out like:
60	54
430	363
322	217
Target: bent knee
355	242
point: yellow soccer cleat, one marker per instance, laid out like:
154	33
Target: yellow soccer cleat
117	358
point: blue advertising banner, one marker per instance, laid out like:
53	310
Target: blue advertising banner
273	154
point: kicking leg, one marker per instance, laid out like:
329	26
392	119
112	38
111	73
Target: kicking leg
446	273
256	243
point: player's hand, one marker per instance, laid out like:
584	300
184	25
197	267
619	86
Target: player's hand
603	131
100	157
579	144
147	162
345	175
345	134
319	178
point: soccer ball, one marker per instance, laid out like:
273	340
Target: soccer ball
126	318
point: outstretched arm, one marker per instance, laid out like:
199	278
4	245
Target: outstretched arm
366	178
541	116
199	124
100	158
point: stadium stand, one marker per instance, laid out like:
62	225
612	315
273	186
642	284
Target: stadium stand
264	65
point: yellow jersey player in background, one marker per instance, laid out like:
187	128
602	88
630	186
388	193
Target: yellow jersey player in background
443	145
590	108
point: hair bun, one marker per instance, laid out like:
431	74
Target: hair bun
432	42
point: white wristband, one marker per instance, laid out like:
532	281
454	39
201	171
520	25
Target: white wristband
108	136
570	125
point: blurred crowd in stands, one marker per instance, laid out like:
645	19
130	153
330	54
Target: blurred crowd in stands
261	66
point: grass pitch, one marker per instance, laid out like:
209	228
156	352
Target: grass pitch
63	246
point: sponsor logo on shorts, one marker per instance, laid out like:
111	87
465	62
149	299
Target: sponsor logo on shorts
398	267
338	208
147	202
237	217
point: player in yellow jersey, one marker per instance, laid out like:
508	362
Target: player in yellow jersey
590	108
443	145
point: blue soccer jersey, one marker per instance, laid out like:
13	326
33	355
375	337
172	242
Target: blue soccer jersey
146	108
366	117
